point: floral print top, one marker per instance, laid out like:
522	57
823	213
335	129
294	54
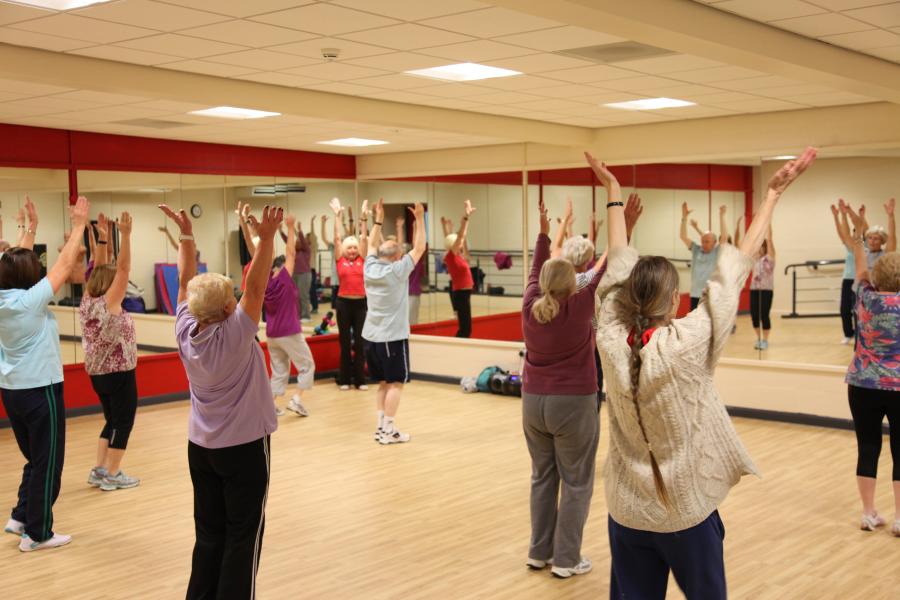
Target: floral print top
109	342
876	361
763	274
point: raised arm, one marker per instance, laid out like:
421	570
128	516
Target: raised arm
779	182
68	258
770	243
27	239
20	225
244	222
290	244
738	231
723	227
377	224
892	226
446	226
857	243
169	237
400	226
683	232
615	208
419	241
116	292
541	252
261	265
348	226
323	230
561	230
187	249
312	229
100	249
459	244
633	211
301	243
364	230
338	210
840	224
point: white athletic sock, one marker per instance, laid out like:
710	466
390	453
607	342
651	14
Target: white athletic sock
388	425
380	419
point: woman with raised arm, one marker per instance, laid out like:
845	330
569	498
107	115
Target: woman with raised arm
417	277
848	298
762	290
315	284
302	270
31	376
110	355
232	414
351	302
873	383
457	261
673	451
559	405
284	335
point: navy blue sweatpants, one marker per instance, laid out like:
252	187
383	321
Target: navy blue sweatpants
38	420
641	561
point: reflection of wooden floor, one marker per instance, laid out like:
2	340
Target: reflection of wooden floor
814	341
445	516
73	352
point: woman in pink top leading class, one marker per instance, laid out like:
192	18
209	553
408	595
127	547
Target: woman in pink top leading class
232	414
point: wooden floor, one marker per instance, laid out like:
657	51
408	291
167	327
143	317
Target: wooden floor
445	516
813	341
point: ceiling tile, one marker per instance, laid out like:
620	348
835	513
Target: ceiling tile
539	63
407	36
82	28
452	90
637	84
695	112
40	40
335	71
491	22
208	68
506	98
313	48
31	89
839	5
49	104
240	8
553	105
407	10
683	91
715	74
11	13
352	89
590	74
145	13
754	83
249	33
283	79
6	96
100	97
325	19
599	96
791	90
821	25
885	15
892	53
519	82
263	60
127	55
560	38
448	102
769	10
718	97
398	62
667	64
758	104
476	51
181	45
864	40
830	99
397	96
395	82
168	106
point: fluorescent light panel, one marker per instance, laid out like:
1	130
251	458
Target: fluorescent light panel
56	4
650	104
463	72
785	157
354	142
232	112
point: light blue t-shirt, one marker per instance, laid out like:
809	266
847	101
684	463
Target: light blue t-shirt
850	265
872	258
702	266
29	339
387	296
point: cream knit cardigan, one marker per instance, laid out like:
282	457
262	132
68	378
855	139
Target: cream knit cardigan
699	453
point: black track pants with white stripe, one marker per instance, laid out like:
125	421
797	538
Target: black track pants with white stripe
231	486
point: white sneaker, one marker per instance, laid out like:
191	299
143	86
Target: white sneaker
871	522
344	388
279	412
581	568
96	476
295	406
58	539
393	437
363	388
14	527
536	565
378	433
119	481
846	340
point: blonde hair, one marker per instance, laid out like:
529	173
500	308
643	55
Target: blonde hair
647	295
101	278
449	240
207	295
886	273
557	283
578	251
350	240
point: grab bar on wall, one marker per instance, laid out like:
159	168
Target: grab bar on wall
813	266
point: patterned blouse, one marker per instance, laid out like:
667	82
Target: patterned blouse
763	274
876	361
109	342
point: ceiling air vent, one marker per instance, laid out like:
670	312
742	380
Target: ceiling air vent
152	123
279	189
615	53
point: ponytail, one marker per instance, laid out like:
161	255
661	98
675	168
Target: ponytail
545	309
557	281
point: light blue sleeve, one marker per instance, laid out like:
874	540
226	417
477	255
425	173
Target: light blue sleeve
38	296
403	268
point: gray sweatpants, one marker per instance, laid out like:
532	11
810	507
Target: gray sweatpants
286	350
562	433
414	303
303	281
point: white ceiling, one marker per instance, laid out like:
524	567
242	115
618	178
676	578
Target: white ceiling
280	41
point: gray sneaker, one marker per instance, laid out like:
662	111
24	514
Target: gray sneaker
295	406
96	476
119	481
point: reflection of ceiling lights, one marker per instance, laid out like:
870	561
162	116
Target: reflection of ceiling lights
57	4
463	72
785	157
354	142
231	112
650	104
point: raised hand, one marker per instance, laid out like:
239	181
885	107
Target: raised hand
31	211
78	213
695	224
545	220
722	210
633	211
568	215
271	221
290	220
336	207
102	227
365	209
835	211
791	170
20	217
889	206
603	174
418	212
379	211
245	211
239	211
180	218
685	211
469	208
324	219
125	223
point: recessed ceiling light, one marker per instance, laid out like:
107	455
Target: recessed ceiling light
356	142
463	72
57	4
231	112
650	104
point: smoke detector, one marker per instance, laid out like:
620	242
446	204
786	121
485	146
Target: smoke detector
330	54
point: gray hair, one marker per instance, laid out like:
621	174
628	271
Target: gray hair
388	249
578	250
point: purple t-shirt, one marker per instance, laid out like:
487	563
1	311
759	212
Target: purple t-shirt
415	278
231	399
281	306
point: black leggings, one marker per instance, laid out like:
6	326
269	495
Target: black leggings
869	408
118	397
462	301
760	307
351	316
848	303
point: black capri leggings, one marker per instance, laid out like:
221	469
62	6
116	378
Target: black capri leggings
760	307
463	306
869	407
118	397
848	304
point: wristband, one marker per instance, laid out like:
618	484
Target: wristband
185	238
611	204
101	242
376	223
466	218
21	227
